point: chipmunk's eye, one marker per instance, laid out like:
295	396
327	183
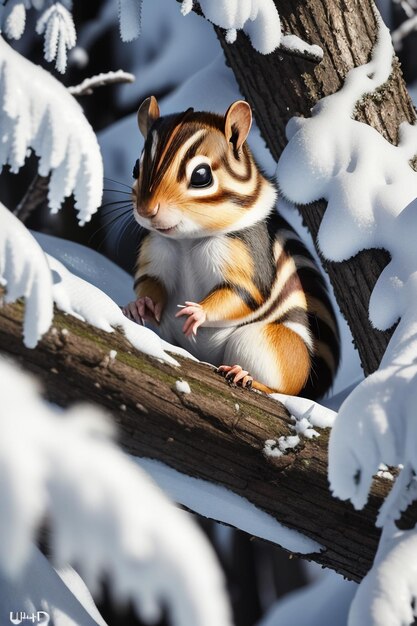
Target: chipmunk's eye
201	176
136	169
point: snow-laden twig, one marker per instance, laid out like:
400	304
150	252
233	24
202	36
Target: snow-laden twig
259	19
371	191
13	20
130	19
100	80
37	112
57	26
24	273
107	522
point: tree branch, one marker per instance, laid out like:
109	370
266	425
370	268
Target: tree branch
202	434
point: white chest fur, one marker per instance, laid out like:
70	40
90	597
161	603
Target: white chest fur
189	270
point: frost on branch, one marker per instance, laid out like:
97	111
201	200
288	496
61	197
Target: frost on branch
130	19
37	112
259	19
57	26
24	272
14	18
107	522
371	191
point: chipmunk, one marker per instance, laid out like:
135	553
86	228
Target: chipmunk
218	270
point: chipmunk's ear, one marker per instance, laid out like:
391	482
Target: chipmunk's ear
237	123
148	113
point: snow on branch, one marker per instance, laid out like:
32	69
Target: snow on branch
259	19
77	297
57	26
87	86
107	522
37	112
14	18
55	23
371	190
24	272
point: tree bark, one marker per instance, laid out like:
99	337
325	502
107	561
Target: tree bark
216	432
281	85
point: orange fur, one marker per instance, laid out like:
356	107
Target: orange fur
294	370
224	304
240	271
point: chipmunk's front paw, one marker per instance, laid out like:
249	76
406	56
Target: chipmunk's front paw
143	309
236	374
196	316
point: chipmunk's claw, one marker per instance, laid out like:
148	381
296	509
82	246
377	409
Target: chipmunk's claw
236	375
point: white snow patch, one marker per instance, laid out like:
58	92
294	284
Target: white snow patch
113	354
221	504
182	386
24	272
278	447
32	106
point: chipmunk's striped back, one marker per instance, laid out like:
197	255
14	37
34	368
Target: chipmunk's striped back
215	240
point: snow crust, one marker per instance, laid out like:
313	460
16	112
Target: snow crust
371	191
259	19
24	272
221	504
32	106
116	522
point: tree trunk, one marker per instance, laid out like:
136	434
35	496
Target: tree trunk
281	85
216	432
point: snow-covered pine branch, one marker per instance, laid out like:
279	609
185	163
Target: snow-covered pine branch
371	191
259	19
55	23
57	26
38	113
87	86
107	522
24	272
